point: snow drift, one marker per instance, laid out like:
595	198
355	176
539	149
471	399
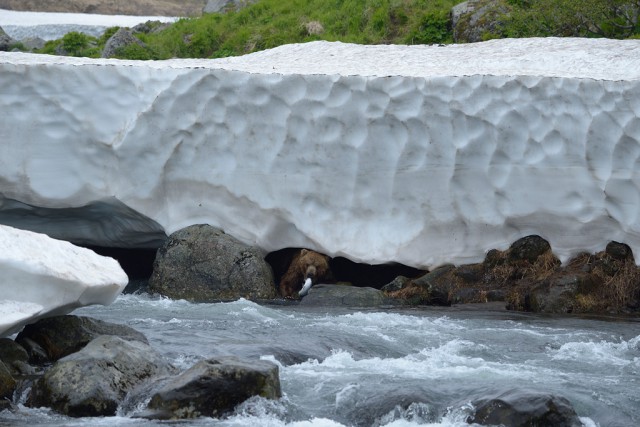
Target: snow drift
42	277
415	154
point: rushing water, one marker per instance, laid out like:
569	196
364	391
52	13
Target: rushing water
385	368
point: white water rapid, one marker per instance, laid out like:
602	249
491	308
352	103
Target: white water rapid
385	368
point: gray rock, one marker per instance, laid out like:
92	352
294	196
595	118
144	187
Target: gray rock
528	249
14	356
119	40
7	383
150	27
33	43
214	387
93	381
474	19
201	263
396	284
619	251
63	335
524	409
5	41
438	284
344	296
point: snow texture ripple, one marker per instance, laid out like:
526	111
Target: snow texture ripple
414	154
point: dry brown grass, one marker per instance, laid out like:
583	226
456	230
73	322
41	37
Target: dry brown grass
411	293
507	271
620	290
543	268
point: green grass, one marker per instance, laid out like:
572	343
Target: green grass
270	23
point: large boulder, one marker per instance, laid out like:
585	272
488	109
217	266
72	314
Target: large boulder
63	335
43	277
477	20
201	263
93	381
524	409
14	356
5	41
214	387
119	40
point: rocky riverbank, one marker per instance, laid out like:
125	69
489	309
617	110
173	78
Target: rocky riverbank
203	264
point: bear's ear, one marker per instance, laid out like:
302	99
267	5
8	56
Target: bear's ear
303	252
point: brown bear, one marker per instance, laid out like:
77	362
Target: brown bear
306	264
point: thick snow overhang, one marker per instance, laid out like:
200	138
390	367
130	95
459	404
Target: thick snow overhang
414	154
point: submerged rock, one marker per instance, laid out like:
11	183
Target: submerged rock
214	387
343	296
93	381
201	263
524	409
63	335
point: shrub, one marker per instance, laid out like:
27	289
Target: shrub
74	43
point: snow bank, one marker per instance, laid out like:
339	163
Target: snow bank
41	277
414	154
50	26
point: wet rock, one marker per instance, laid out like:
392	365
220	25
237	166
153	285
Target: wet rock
93	381
619	251
214	387
60	336
468	296
121	39
201	263
471	273
14	356
524	409
551	296
343	296
528	249
396	284
7	383
360	407
437	284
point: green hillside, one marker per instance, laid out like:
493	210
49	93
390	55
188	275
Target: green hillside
270	23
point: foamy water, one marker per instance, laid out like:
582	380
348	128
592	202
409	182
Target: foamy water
385	368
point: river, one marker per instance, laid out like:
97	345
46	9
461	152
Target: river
393	367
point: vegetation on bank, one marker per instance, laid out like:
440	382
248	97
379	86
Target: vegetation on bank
270	23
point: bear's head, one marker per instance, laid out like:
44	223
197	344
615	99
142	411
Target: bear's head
313	265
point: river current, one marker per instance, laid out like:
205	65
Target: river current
342	367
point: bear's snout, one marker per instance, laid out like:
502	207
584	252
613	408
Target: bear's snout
311	272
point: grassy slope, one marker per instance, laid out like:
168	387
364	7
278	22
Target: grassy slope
270	23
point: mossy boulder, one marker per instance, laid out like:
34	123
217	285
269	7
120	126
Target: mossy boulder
201	263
